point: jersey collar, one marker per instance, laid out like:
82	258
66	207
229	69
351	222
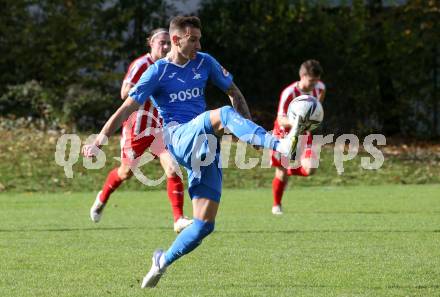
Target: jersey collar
178	65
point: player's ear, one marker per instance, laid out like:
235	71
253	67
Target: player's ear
175	40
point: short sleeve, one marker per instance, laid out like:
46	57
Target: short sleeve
219	75
146	85
320	85
285	99
134	72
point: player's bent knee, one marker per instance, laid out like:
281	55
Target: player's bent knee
225	111
171	173
215	118
281	174
124	172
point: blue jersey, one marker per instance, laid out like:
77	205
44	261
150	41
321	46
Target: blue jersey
178	91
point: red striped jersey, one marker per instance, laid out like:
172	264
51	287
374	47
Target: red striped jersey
287	95
147	115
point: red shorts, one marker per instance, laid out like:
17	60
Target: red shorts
133	146
277	160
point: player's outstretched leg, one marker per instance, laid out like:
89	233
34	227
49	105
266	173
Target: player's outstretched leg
248	131
113	181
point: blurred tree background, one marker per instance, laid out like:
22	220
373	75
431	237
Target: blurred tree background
62	61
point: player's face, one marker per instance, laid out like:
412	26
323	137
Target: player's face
160	45
308	82
189	42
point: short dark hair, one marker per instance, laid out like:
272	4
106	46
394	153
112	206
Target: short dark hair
181	22
312	68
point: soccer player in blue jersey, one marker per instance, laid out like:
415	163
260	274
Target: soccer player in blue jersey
176	85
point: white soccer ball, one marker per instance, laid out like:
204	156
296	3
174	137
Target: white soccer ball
305	113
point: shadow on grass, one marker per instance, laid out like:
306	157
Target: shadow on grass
100	229
327	231
317	286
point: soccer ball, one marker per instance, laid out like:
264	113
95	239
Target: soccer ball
305	112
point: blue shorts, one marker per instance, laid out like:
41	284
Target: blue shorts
195	147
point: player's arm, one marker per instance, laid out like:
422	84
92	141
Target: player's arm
322	91
286	96
113	123
135	70
321	96
122	114
138	94
224	81
126	86
238	101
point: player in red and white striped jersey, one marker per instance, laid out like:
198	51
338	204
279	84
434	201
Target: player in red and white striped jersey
309	84
137	136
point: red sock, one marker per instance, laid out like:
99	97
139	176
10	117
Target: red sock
300	171
309	138
277	190
112	182
307	153
175	195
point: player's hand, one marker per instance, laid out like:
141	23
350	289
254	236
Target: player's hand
90	150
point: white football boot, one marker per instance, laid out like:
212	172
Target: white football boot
287	146
181	224
97	209
153	276
277	210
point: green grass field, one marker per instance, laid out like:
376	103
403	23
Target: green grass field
331	241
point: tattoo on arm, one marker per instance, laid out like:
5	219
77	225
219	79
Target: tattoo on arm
238	101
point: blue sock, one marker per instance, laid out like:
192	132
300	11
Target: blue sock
188	239
246	130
